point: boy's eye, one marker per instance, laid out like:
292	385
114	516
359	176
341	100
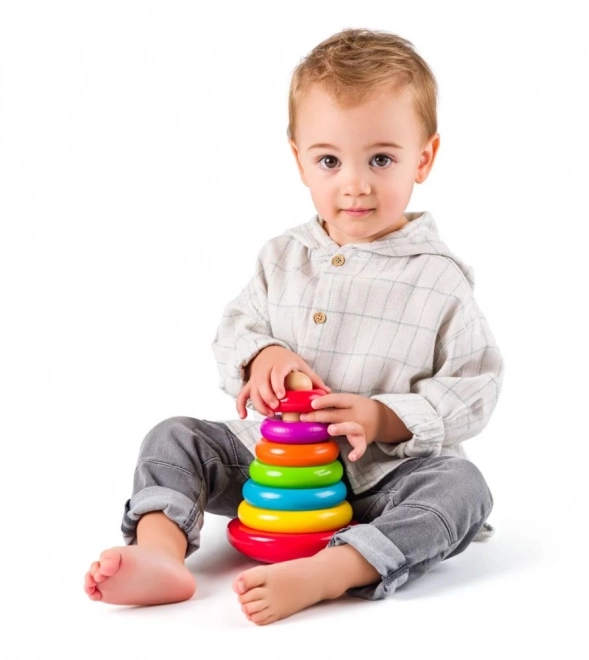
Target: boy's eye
381	160
328	162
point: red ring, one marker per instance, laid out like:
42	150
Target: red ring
272	547
298	401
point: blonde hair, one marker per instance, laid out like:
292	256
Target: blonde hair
354	64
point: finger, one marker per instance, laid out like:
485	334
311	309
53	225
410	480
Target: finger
260	404
242	398
317	381
338	400
323	386
329	416
345	428
359	444
277	378
266	392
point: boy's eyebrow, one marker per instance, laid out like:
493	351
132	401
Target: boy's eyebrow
324	145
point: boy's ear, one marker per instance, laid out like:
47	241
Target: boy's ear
295	151
427	158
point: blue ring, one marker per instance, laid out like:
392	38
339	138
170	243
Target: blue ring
293	499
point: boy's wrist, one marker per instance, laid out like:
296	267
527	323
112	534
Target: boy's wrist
391	428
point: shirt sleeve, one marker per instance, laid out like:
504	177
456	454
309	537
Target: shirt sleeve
244	331
456	402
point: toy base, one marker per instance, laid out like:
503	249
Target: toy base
273	547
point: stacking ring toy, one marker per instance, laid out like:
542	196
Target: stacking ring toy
294	432
315	476
276	453
320	520
274	547
298	401
293	499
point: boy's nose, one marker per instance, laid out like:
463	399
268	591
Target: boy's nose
355	184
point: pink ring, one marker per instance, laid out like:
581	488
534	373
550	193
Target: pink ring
294	432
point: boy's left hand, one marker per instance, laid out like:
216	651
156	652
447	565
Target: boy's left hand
352	415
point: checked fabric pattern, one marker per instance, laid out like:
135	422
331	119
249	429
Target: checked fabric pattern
394	320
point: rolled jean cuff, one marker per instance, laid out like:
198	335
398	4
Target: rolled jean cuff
379	551
176	506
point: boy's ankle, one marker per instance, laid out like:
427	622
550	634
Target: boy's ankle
344	567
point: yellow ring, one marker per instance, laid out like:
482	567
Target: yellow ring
320	520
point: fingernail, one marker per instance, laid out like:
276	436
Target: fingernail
273	404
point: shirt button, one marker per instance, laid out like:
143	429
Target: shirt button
338	260
319	317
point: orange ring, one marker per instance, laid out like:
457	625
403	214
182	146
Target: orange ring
277	453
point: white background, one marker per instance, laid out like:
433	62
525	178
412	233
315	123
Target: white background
143	162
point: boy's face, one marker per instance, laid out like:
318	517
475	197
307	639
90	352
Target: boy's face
361	163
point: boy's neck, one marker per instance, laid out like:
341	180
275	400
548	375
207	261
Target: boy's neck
401	224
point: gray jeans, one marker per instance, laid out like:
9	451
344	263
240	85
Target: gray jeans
427	510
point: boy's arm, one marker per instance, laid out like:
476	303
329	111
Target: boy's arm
243	332
457	401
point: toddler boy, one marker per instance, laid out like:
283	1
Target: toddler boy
368	302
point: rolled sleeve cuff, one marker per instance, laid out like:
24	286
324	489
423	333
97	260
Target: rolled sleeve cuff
421	418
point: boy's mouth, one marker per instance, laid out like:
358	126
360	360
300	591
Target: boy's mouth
357	212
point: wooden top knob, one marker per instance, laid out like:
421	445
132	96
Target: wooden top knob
297	380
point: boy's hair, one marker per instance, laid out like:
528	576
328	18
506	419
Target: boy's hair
355	63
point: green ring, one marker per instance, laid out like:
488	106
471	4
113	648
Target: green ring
314	476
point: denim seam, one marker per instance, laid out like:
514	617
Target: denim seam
375	490
393	575
416	465
231	437
437	513
371	507
244	468
170	465
128	531
188	524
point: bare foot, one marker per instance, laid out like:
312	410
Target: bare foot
136	575
271	592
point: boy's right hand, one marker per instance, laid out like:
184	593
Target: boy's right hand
268	371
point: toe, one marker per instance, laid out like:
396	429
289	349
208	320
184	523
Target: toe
255	577
263	617
253	608
90	588
110	561
259	593
89	581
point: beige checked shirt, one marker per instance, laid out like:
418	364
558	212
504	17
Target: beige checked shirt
394	320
